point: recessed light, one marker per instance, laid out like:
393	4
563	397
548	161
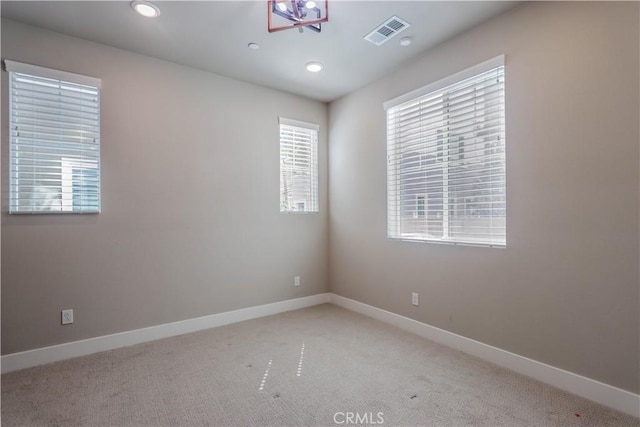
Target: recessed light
314	67
406	41
282	6
145	8
310	4
253	46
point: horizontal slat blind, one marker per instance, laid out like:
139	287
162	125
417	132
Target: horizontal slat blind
446	163
55	145
298	166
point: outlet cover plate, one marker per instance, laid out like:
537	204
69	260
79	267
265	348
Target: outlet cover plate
67	317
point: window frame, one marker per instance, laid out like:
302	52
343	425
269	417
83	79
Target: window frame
395	159
69	166
312	204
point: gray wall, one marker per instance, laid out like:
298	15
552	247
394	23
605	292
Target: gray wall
565	291
190	221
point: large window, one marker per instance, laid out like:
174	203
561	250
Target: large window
54	150
298	166
446	160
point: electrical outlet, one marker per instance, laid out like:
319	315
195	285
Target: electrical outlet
296	281
415	299
67	316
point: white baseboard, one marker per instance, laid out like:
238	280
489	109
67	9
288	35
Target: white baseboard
41	356
596	391
599	392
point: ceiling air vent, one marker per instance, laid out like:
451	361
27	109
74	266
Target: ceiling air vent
388	29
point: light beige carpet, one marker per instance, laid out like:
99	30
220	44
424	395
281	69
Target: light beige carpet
318	366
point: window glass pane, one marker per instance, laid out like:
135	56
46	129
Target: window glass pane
54	145
298	169
446	164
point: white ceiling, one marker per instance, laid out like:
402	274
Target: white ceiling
213	36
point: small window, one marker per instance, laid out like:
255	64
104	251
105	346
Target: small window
446	172
54	150
298	166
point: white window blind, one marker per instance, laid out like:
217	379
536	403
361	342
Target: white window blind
54	141
446	160
298	166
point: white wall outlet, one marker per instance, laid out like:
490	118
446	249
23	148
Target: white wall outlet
415	299
67	316
296	281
